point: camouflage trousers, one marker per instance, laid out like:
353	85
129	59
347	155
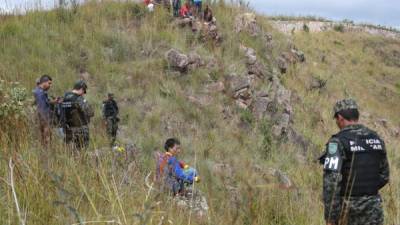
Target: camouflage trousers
112	128
365	210
78	136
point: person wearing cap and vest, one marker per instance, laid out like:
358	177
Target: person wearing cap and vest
355	168
110	116
76	114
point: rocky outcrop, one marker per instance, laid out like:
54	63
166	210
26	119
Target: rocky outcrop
289	27
182	62
254	66
176	60
290	57
247	22
239	89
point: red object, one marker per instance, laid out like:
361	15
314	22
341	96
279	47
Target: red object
146	2
185	10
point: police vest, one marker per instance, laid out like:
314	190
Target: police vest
72	112
361	168
110	108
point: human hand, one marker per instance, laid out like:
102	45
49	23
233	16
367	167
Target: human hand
197	179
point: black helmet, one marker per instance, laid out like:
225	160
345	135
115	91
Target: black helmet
81	84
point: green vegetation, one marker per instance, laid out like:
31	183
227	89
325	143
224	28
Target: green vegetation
122	48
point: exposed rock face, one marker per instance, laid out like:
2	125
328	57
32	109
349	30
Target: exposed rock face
239	89
194	201
177	60
247	22
292	56
237	83
210	32
182	62
320	26
282	64
254	66
215	87
195	61
317	83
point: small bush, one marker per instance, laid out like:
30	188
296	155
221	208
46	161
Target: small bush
306	28
246	116
339	28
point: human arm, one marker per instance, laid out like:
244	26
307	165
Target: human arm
86	107
384	173
332	178
178	170
43	105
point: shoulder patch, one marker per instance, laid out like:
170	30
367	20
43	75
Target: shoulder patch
332	148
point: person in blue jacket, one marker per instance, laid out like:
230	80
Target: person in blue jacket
174	172
43	103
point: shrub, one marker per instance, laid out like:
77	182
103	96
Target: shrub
306	28
339	28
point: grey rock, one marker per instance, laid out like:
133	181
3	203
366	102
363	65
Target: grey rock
317	83
247	22
177	60
237	83
282	64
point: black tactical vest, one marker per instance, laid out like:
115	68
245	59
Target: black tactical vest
73	115
360	169
110	108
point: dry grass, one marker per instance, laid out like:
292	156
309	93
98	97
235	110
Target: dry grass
125	48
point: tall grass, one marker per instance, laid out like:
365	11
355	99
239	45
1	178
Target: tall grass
122	48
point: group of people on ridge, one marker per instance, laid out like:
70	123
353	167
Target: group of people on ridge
189	9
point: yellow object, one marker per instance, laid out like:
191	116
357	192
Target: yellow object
121	149
186	167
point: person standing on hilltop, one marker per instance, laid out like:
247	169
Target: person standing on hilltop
76	114
176	6
44	104
197	7
110	116
207	14
355	169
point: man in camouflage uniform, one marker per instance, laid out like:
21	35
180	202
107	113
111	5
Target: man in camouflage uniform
110	115
355	168
76	116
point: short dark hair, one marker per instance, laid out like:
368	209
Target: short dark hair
349	114
44	78
170	143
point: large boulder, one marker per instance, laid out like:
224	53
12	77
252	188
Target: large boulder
177	60
237	83
282	64
254	66
247	22
194	61
260	106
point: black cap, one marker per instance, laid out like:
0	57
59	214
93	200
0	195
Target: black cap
110	95
81	84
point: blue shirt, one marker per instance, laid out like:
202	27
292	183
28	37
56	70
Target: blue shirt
179	173
42	103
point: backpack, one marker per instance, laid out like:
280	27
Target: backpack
162	164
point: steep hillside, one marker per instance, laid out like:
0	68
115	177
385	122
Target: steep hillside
252	107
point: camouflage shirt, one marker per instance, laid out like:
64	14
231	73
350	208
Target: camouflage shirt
333	175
